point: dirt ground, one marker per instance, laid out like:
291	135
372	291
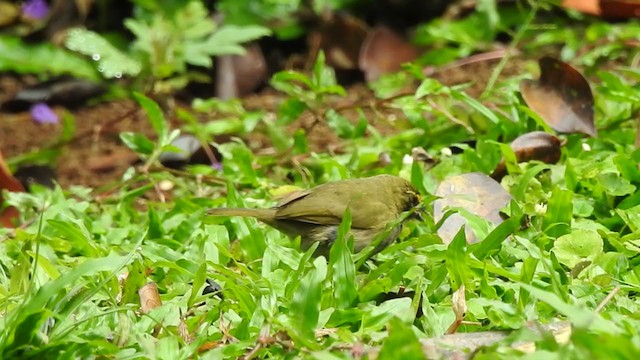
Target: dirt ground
96	157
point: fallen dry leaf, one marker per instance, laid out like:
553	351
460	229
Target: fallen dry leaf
586	6
459	306
149	297
383	52
340	37
240	75
536	145
562	97
475	192
621	9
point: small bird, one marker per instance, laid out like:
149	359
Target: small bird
316	214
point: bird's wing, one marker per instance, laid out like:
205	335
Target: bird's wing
326	206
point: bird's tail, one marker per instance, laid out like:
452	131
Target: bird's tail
261	214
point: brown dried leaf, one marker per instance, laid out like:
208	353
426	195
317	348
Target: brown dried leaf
562	97
623	9
149	297
536	145
240	75
341	37
183	331
475	192
459	305
209	345
586	6
383	52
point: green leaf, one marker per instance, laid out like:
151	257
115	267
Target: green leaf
339	124
68	128
305	307
459	272
91	267
137	142
494	240
290	110
228	38
136	278
25	58
402	343
631	217
155	225
343	269
557	219
198	280
578	245
383	313
476	105
579	317
155	115
428	86
112	63
615	185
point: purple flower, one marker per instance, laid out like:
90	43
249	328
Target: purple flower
216	166
42	114
35	9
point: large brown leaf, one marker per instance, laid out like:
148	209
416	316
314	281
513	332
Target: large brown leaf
622	9
340	36
475	192
383	52
240	75
562	97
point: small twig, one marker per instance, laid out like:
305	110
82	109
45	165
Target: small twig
253	351
608	298
481	57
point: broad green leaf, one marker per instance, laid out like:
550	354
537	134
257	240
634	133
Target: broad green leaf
579	317
112	63
305	306
493	241
26	58
476	105
576	246
615	185
401	343
137	142
228	39
155	116
342	267
557	219
459	272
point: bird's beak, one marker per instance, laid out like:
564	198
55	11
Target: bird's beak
417	215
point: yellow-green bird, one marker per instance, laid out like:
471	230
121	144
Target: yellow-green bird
316	214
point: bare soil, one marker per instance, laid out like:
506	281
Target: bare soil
96	156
